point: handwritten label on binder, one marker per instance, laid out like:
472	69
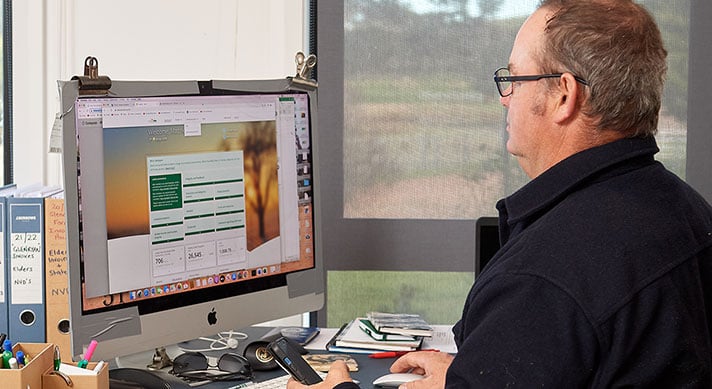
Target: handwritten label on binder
55	241
26	268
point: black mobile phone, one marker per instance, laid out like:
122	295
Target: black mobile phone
287	356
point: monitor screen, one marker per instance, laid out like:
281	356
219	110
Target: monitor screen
487	241
193	210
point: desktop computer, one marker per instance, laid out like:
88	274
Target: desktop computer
192	208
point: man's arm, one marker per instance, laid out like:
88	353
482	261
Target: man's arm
338	377
523	331
432	366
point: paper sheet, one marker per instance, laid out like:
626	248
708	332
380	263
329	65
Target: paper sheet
443	339
319	343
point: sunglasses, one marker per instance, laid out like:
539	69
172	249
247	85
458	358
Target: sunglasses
194	365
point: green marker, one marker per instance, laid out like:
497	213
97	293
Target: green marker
57	359
6	354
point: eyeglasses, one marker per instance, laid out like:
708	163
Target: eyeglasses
504	80
195	365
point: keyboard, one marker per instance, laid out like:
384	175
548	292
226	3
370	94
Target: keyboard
274	383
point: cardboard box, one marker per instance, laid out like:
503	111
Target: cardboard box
29	376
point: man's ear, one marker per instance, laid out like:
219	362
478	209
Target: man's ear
568	102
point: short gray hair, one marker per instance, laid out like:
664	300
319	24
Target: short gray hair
616	46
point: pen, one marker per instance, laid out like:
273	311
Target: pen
6	354
87	355
394	354
20	356
57	359
99	366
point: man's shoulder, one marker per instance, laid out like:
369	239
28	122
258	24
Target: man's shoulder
602	259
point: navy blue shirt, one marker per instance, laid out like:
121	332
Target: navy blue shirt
603	280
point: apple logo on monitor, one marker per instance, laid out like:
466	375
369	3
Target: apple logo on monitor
212	317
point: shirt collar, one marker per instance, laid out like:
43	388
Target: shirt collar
559	179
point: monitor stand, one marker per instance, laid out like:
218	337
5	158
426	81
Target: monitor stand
160	358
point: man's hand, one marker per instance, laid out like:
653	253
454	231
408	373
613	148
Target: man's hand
431	364
338	373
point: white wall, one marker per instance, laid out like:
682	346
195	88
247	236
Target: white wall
138	40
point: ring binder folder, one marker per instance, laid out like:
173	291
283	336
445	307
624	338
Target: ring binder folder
5	192
26	309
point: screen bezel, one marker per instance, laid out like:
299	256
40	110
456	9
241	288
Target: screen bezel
121	331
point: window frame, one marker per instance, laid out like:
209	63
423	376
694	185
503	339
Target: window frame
373	244
407	244
699	116
7	167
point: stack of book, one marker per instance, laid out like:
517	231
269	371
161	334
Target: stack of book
369	334
400	323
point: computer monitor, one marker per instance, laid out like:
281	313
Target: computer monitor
486	241
191	209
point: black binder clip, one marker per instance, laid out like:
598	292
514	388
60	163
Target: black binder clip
304	67
91	83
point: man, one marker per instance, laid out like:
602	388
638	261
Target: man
603	278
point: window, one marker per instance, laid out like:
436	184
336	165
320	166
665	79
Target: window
423	126
6	97
422	150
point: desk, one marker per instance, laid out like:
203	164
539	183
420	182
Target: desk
369	368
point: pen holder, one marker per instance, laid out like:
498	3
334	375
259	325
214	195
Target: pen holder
30	375
100	380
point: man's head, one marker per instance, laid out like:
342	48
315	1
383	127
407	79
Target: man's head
612	61
616	46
